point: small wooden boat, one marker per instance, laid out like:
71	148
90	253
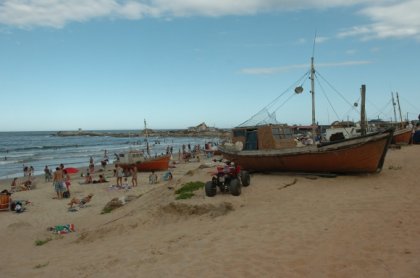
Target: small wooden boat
211	148
402	136
143	163
403	133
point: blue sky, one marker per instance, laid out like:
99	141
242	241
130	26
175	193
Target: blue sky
109	64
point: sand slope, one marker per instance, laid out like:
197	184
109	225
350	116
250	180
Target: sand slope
281	226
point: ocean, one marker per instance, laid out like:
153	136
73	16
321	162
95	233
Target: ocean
41	148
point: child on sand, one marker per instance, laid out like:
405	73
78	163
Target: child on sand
80	202
153	178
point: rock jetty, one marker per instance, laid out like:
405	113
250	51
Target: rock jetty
219	133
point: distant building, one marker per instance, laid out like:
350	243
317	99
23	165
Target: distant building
199	128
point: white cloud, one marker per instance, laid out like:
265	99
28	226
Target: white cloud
321	39
351	51
57	13
397	20
273	70
390	18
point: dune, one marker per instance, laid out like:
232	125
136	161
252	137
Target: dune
282	225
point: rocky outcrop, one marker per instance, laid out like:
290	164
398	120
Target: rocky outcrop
220	133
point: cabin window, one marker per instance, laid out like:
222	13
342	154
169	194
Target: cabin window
288	133
239	133
277	133
282	133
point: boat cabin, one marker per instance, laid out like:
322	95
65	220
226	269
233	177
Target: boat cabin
264	137
130	157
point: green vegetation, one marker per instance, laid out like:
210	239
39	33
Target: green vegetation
184	195
107	210
186	191
41	265
40	242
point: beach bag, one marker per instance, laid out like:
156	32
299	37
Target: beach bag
66	194
19	207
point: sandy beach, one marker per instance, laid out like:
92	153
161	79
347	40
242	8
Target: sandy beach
282	225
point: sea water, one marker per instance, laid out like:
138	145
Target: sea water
43	148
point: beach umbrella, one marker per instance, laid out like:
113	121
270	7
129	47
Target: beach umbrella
71	170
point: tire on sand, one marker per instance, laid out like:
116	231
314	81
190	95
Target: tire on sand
235	187
245	178
210	189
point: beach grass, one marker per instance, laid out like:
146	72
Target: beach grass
186	191
40	242
41	265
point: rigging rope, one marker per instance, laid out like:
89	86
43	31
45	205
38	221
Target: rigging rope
325	95
334	89
265	110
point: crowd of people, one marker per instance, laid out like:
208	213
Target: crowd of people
61	179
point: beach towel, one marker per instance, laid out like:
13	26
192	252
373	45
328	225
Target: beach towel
125	187
62	229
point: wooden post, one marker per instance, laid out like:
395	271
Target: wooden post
362	110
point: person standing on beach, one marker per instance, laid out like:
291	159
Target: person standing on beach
58	182
134	176
120	174
31	170
47	173
66	178
91	166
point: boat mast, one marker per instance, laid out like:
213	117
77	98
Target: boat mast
313	98
393	104
399	108
147	138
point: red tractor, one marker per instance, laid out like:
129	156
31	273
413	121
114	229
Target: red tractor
229	178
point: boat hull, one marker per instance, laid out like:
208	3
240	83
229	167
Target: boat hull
160	163
357	155
402	136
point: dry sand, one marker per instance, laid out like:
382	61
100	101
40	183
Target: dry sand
281	226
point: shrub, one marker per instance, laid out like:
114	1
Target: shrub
40	242
186	191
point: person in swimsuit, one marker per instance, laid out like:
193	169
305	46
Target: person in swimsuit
58	182
80	202
134	176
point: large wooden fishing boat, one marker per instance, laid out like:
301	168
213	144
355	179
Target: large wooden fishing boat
272	147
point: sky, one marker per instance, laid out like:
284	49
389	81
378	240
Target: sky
110	64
